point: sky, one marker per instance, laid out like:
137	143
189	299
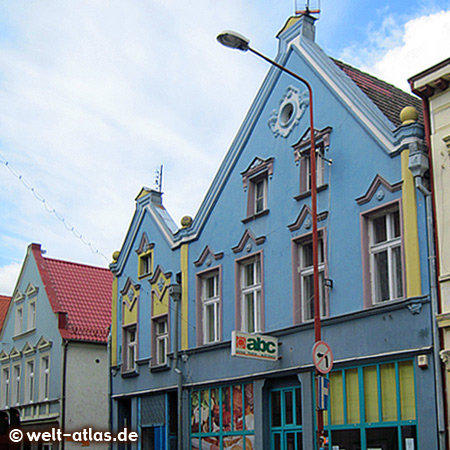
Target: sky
96	95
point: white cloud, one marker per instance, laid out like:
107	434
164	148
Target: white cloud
8	278
399	51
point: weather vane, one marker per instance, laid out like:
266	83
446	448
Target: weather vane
309	9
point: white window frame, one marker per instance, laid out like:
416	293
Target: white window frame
393	249
5	386
18	322
320	169
130	347
251	295
211	306
31	316
161	340
306	274
44	378
30	367
259	196
16	378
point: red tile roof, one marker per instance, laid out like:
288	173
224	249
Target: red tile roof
4	305
389	99
81	293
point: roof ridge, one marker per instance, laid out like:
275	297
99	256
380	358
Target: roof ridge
64	261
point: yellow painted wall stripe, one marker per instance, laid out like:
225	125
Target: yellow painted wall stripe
184	296
411	235
114	323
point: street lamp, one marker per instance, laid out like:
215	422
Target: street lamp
235	40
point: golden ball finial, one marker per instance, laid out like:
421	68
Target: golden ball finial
115	255
409	115
186	221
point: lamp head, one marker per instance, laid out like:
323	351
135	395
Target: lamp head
233	40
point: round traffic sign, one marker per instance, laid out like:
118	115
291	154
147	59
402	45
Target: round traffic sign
322	357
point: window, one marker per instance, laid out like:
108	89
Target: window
5	387
146	264
29	387
251	291
210	299
255	180
223	418
18	325
130	335
31	320
306	273
15	400
44	378
385	246
161	340
305	170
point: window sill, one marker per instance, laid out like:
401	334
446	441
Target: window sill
159	368
130	373
255	216
145	275
306	194
24	333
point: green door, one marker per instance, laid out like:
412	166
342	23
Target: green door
286	419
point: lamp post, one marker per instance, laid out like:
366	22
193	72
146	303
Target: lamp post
235	40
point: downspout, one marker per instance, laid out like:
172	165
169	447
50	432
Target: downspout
63	406
109	383
419	164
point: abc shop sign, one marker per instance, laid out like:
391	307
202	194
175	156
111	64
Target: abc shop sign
254	346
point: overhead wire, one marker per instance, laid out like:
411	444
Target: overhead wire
50	209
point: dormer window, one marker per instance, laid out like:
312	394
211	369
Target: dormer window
256	182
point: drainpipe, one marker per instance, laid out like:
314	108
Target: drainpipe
63	406
175	293
418	164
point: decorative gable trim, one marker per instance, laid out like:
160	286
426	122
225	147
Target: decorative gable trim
28	349
43	344
159	270
378	182
204	255
305	214
15	354
18	297
144	245
257	166
4	356
31	290
130	286
243	243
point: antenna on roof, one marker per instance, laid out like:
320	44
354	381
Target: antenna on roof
311	7
159	178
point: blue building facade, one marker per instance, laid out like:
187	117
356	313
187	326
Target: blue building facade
244	264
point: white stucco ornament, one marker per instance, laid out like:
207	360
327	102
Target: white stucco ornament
292	106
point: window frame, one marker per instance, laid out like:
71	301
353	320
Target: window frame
299	273
18	320
31	324
130	347
159	337
369	250
44	378
203	303
5	386
242	314
30	375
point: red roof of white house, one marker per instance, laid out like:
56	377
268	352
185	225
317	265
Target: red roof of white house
80	293
4	305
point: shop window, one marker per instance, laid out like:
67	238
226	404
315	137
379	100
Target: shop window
250	295
376	402
209	308
223	418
